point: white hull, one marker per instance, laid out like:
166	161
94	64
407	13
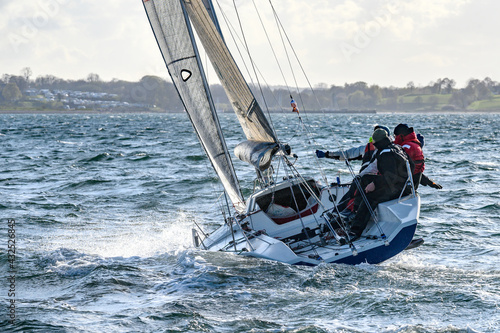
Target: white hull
282	239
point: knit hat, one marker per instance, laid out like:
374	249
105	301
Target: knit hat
402	129
379	135
385	128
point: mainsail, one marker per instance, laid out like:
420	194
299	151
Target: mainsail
175	39
210	9
252	119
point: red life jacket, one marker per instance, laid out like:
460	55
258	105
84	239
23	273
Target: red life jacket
369	148
411	145
367	156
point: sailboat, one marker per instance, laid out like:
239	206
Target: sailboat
292	219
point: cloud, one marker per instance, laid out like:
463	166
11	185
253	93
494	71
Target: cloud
73	38
392	41
431	59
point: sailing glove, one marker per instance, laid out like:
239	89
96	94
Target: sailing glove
320	153
420	138
327	154
435	185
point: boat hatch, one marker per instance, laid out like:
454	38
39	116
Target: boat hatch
288	203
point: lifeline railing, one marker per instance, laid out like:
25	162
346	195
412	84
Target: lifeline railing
409	182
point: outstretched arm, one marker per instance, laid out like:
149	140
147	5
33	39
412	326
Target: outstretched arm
355	153
426	181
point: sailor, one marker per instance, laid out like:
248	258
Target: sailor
390	161
413	143
364	152
404	136
407	138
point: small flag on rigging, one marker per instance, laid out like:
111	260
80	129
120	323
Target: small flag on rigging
294	106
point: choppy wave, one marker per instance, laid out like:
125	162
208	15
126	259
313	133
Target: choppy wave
104	206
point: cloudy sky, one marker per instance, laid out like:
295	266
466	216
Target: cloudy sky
385	42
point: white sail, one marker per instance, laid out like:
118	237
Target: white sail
175	38
252	119
258	154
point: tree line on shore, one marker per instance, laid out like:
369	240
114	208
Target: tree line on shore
161	94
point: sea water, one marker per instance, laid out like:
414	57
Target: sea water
101	209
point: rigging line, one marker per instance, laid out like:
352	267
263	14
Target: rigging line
342	223
313	194
301	220
270	44
301	128
315	95
361	191
318	164
364	197
280	161
278	21
233	33
251	61
311	138
277	61
231	29
280	29
296	173
244	38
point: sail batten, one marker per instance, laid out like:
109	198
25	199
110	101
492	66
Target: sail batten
170	24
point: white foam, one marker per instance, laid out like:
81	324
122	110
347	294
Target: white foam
140	238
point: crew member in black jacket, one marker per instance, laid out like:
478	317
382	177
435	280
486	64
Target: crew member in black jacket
387	185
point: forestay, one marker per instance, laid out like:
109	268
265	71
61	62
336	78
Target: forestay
175	38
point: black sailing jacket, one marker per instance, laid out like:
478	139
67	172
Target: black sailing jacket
391	164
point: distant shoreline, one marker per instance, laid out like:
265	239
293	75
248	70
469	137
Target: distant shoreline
78	112
87	112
